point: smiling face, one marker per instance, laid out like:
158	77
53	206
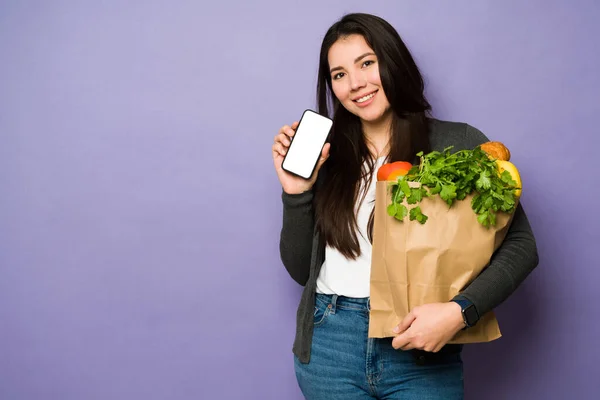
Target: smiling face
355	79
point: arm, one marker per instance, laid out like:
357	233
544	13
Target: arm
512	262
431	326
295	245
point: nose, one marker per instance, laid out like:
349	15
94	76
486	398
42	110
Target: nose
357	81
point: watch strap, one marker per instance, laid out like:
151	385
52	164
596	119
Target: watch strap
468	310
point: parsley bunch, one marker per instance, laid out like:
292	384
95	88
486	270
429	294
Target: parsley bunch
454	177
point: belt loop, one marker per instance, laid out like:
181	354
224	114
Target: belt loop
333	303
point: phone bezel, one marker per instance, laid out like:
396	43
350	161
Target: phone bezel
292	142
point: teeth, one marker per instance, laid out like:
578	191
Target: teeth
363	99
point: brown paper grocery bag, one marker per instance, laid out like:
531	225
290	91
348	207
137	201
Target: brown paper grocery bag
415	264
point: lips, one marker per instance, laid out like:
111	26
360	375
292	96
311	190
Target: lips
365	97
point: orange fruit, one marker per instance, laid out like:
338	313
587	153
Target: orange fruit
396	173
391	171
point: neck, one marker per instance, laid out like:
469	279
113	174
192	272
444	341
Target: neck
377	134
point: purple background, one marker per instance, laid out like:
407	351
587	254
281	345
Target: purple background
140	214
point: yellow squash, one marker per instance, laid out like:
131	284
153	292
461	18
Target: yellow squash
514	172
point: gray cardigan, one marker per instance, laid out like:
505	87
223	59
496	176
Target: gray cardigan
303	252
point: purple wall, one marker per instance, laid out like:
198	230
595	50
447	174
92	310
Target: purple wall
140	212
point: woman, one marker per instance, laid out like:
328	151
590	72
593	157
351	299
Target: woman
370	84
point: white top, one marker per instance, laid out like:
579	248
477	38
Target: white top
351	278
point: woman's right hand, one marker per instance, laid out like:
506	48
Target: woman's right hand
293	184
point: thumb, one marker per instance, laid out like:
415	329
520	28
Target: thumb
405	324
324	155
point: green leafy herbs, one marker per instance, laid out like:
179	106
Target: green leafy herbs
454	176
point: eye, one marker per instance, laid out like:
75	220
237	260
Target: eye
368	62
339	75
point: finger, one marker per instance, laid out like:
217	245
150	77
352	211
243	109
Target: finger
295	125
286	129
400	341
290	131
283	138
405	323
282	131
409	346
279	149
282	149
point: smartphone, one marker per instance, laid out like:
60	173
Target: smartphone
306	144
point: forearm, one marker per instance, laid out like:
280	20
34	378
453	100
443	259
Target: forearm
514	260
295	245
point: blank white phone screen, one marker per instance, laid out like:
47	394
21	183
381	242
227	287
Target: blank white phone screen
307	144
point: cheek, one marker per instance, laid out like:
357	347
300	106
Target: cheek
340	91
374	77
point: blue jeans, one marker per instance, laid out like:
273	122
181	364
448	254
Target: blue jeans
346	365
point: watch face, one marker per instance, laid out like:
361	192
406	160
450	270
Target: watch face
471	315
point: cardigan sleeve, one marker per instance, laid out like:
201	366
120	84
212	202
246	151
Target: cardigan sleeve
512	262
295	244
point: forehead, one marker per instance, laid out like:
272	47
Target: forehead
345	50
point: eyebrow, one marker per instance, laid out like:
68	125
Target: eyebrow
355	61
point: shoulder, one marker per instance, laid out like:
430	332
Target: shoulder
459	135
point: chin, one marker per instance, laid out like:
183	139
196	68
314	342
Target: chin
372	115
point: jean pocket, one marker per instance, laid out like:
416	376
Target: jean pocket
320	314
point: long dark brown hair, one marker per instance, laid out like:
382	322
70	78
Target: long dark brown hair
335	214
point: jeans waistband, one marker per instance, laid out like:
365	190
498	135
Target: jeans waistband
357	303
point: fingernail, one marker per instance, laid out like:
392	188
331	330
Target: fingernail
396	329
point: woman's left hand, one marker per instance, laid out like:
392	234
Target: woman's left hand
429	327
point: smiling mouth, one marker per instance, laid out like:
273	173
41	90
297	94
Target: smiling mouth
365	98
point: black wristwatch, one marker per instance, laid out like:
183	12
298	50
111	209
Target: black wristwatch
469	312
